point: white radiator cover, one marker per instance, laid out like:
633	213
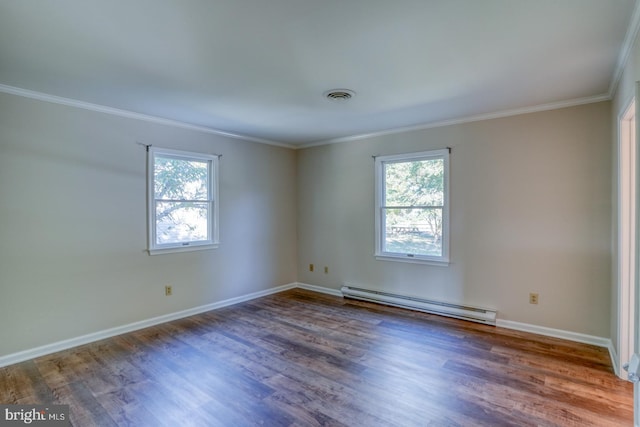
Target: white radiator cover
474	314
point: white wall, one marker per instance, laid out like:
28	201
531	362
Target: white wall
531	212
624	93
73	223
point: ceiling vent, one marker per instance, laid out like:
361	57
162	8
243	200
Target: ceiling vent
339	94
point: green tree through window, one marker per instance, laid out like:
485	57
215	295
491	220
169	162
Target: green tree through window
182	202
412	209
181	194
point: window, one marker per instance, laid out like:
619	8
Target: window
412	207
182	197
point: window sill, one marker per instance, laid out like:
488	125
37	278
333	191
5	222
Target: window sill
191	248
412	260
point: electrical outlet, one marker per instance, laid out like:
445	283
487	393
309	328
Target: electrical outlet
310	267
168	290
326	270
533	298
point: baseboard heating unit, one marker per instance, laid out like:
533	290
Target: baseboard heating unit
474	314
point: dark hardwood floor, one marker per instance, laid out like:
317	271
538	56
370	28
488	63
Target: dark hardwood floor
300	358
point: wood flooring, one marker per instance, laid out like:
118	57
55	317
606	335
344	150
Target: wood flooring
300	358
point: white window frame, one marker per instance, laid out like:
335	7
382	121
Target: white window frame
212	201
380	226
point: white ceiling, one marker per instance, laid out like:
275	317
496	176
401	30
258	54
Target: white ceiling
259	68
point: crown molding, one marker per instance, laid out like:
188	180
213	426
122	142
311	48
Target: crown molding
175	123
26	93
462	120
625	51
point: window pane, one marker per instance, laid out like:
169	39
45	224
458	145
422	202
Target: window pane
178	179
414	183
178	222
413	231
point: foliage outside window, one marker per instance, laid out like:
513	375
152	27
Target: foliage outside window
183	207
412	207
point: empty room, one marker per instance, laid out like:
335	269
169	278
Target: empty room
319	213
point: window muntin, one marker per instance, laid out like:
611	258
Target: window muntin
182	201
412	207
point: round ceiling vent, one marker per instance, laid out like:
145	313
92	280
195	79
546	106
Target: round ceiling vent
339	94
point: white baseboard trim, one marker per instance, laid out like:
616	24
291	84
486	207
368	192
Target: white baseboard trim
509	324
21	356
320	289
613	354
555	333
567	335
523	327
